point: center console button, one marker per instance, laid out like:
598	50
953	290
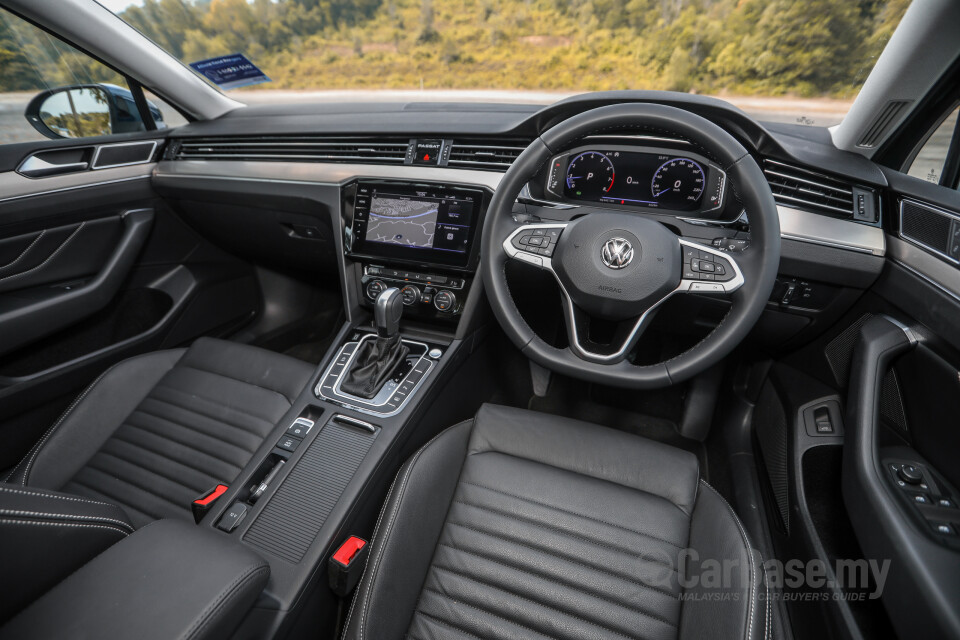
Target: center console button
444	301
410	295
375	288
289	443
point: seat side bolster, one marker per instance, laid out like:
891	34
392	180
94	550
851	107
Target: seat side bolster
725	603
34	528
91	419
405	538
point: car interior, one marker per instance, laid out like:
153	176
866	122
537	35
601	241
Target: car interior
481	370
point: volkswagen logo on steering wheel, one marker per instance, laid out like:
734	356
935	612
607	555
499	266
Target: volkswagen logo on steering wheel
617	253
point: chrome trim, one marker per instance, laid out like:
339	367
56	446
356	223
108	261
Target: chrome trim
819	229
354	422
343	399
33	192
569	310
96	154
938	210
36	164
918	261
320	172
795	224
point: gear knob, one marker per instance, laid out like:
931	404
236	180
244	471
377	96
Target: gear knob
387	311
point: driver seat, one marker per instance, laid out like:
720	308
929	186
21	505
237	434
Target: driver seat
520	525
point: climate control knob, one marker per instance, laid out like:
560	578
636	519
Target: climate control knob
444	301
375	288
410	295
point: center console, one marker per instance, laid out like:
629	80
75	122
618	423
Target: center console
418	237
410	254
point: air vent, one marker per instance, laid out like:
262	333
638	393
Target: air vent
802	189
495	155
298	149
887	117
932	228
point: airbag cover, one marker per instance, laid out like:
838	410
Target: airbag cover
608	288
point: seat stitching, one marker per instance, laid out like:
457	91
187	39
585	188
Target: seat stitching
136	464
250	384
136	486
523	626
56	252
180	442
271	423
50	431
57	497
548	551
449	625
554	527
746	541
543	576
25	251
75	525
505	589
121	503
573	513
180	463
18	512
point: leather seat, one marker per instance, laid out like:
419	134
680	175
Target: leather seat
522	525
156	431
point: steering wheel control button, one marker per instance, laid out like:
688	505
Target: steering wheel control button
233	517
410	295
375	288
706	287
526	257
910	474
444	301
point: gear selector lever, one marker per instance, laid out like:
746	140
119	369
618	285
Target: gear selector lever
387	311
376	360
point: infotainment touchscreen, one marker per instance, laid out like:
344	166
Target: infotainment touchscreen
422	222
419	221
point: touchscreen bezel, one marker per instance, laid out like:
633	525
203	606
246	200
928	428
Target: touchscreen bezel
355	226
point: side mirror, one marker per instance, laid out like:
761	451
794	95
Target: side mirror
83	111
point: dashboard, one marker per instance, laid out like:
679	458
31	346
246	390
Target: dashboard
638	178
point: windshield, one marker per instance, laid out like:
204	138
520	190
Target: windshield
797	61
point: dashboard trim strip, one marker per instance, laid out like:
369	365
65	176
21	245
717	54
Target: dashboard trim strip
801	226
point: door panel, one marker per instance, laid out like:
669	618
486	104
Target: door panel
94	268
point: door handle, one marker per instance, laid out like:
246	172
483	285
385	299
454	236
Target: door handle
37	167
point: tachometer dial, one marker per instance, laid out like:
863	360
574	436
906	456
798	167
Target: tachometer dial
590	175
678	181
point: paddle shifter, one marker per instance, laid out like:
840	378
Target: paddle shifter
377	360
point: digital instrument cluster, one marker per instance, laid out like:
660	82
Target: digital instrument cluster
625	177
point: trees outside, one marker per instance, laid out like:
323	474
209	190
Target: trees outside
766	47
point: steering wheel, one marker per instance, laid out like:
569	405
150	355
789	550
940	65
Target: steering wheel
622	266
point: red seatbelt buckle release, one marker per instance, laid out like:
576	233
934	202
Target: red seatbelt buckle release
205	502
346	565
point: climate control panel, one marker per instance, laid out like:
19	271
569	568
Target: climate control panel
423	294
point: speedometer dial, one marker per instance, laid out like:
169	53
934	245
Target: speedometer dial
590	175
678	182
